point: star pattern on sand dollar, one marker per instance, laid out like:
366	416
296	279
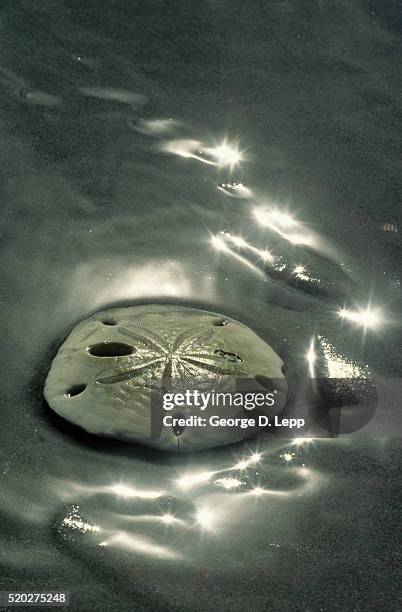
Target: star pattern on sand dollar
188	355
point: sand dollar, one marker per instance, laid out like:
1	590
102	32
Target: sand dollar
112	369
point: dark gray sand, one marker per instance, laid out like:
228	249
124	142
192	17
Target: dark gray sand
107	201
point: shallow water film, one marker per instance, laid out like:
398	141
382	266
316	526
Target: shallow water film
240	158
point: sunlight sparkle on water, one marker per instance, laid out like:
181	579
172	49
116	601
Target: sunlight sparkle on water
243	244
228	483
205	518
242	465
219	244
237	240
269	217
125	491
365	317
300	272
187	148
257	491
155	127
139	544
168	519
282	218
245	463
301	441
190	480
74	521
226	154
281	223
221	155
235	190
267	256
338	366
311	358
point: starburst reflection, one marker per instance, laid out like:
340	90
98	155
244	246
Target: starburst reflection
300	272
213	511
245	463
240	243
187	148
367	317
193	479
221	155
257	491
226	154
219	244
168	519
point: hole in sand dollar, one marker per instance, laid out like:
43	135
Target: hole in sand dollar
110	349
232	357
75	390
109	322
220	322
159	347
178	429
